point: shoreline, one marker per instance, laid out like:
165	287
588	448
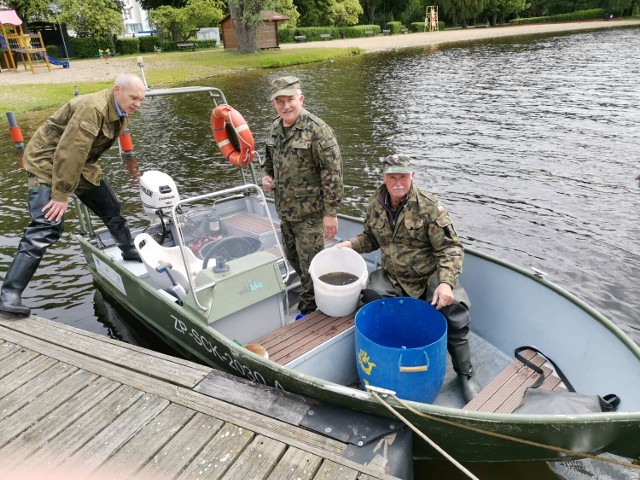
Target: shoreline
99	70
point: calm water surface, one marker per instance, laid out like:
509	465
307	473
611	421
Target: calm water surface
532	143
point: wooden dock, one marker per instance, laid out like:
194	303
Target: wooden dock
80	405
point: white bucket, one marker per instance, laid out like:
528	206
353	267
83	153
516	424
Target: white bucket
338	300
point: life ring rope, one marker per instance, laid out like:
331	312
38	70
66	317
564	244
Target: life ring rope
220	117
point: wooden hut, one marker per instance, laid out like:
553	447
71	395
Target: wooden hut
266	31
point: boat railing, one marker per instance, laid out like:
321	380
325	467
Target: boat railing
241	190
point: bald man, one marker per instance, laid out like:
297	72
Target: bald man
61	160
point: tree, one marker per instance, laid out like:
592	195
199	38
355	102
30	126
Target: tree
287	8
98	18
499	10
345	12
245	17
182	23
155	4
461	11
30	9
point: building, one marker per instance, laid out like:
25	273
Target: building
266	31
135	18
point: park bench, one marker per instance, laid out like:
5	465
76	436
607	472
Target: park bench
404	30
368	33
325	36
386	32
300	38
187	46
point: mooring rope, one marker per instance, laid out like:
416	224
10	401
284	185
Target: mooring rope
503	436
457	464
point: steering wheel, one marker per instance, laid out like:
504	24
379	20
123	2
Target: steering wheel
229	248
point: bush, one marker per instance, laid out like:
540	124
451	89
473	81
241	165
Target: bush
287	35
147	43
127	46
394	27
419	26
88	47
52	50
563	17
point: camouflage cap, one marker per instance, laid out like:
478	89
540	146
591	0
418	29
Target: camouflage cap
397	164
284	86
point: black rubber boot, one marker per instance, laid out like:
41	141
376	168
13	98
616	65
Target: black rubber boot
461	359
122	236
18	277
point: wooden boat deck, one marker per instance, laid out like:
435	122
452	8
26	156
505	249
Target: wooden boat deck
251	223
505	392
290	342
74	401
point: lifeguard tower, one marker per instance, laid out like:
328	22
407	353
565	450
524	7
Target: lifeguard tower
431	19
16	45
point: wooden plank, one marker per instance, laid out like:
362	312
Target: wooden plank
85	428
6	349
142	448
330	471
45	380
40	406
18	358
40	434
258	460
219	454
172	369
100	447
183	447
504	393
276	403
288	343
251	222
297	464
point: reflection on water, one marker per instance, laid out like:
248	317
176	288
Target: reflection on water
531	144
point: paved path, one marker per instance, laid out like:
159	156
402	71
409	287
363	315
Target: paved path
96	70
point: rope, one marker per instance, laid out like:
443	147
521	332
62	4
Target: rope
502	436
424	437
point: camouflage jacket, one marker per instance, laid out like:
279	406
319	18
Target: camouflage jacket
423	242
306	167
71	141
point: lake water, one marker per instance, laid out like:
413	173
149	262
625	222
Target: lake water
532	144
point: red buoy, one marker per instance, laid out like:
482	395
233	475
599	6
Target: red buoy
126	143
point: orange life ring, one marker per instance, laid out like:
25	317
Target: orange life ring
220	117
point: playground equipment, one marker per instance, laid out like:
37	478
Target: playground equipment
431	19
29	48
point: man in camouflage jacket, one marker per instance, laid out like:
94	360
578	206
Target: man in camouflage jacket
60	160
421	257
303	167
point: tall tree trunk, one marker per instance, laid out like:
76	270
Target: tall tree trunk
246	34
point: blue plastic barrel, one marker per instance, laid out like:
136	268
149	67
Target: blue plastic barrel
401	345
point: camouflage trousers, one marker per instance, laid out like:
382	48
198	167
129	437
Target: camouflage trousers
456	314
302	240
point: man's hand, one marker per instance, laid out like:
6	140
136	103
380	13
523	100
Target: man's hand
443	296
330	226
267	183
55	210
345	244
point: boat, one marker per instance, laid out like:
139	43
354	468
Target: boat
214	281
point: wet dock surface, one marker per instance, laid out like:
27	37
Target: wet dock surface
76	403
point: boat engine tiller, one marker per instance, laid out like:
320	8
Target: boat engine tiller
158	193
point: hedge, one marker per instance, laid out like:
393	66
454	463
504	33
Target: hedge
287	35
419	26
563	17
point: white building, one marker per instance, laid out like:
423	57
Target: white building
135	18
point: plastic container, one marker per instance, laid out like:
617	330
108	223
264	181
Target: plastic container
401	345
338	300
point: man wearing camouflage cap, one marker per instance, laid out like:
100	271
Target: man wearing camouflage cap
421	257
303	167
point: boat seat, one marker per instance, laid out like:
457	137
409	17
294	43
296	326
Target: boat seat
156	256
505	392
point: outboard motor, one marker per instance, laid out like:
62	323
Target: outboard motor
158	193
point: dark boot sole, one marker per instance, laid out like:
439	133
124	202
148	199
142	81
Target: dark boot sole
18	311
